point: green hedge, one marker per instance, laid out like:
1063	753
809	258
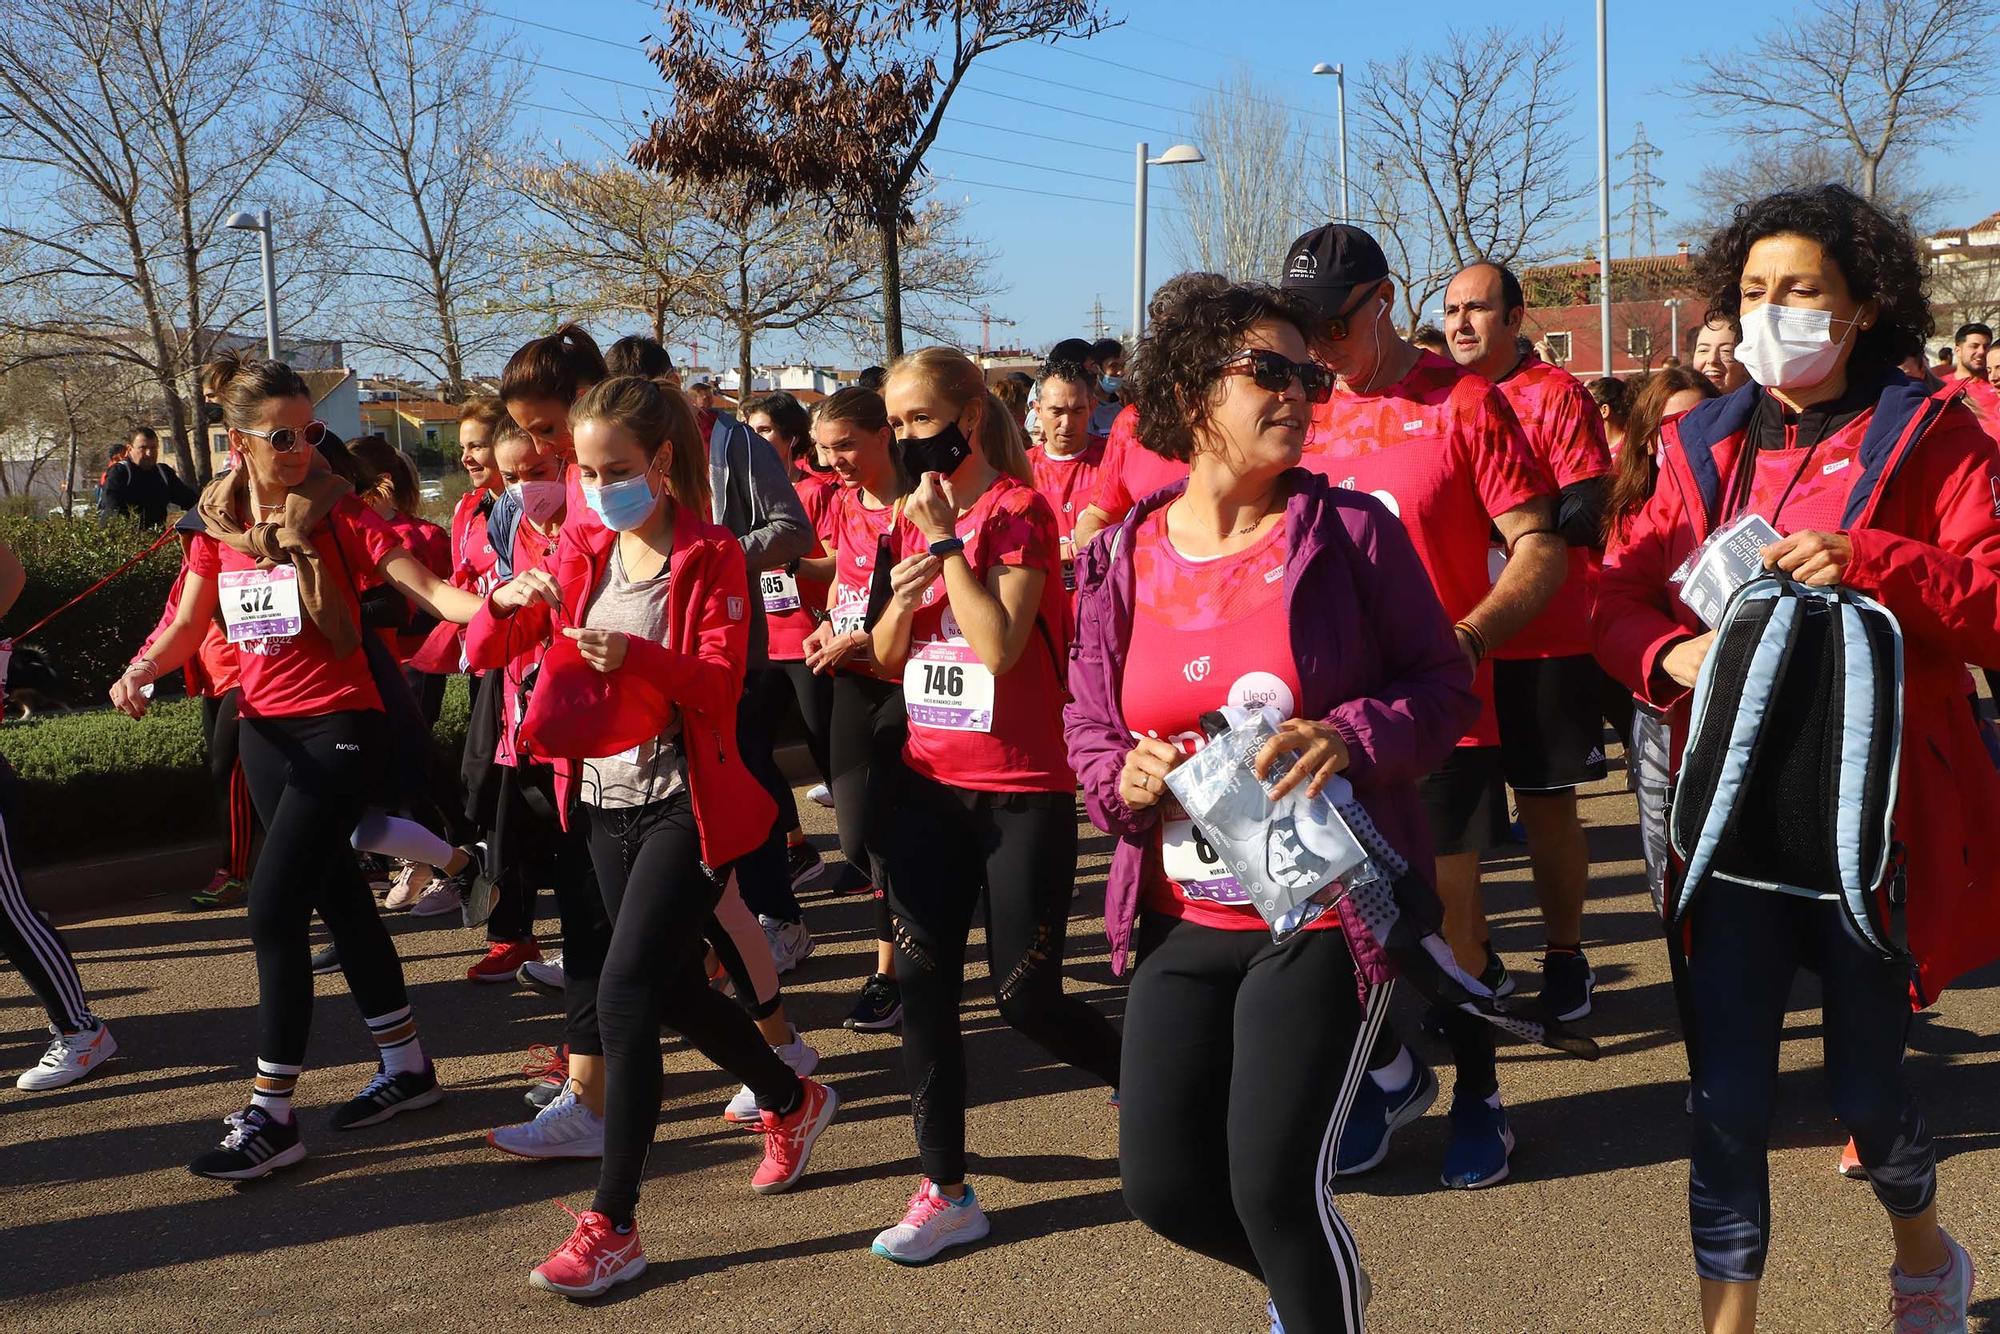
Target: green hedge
98	784
90	643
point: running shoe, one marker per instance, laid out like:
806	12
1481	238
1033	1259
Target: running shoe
1933	1303
932	1222
224	891
1850	1163
443	896
550	1069
789	1140
503	959
790	942
1567	983
326	960
257	1143
802	860
880	1006
798	1055
596	1258
479	892
563	1129
1481	1140
820	793
1494	976
70	1057
544	975
388	1095
411	881
1379	1113
846	878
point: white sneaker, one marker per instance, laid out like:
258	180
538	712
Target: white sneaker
442	897
822	794
563	1129
790	942
69	1058
410	883
798	1054
542	974
932	1222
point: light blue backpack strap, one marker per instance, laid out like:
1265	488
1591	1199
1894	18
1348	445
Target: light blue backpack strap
1867	676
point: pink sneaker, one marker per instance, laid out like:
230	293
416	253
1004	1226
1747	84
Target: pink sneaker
1850	1163
788	1140
595	1259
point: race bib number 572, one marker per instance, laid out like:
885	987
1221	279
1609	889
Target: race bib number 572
260	604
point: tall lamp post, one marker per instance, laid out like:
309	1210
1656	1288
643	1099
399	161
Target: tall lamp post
1339	73
260	222
1673	305
1177	156
1603	191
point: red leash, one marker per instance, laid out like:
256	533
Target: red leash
163	539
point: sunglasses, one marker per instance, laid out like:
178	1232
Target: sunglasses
1274	374
286	439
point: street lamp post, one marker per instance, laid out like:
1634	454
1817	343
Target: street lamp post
1339	73
1177	156
1673	305
260	223
1603	191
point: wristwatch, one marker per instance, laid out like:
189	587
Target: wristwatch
946	546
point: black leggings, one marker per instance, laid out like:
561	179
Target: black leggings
1746	946
659	899
784	686
1242	1058
28	940
310	778
763	876
865	751
1019	849
530	849
221	729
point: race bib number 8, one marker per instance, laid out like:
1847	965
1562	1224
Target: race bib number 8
946	687
780	591
260	604
1192	864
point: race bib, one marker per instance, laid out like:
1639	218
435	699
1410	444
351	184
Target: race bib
260	604
850	617
1195	866
780	591
946	687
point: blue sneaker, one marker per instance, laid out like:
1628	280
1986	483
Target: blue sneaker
1377	1114
1480	1142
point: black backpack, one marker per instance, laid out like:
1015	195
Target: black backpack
1788	780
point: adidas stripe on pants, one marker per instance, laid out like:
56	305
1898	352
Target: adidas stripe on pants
33	945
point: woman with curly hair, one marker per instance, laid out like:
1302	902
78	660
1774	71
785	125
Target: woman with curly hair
1243	1056
1879	486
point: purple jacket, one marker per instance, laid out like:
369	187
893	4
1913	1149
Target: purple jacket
1376	656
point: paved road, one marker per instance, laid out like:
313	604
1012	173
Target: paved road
417	1225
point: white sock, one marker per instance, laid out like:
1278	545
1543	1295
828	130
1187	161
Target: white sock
1396	1074
273	1090
396	1042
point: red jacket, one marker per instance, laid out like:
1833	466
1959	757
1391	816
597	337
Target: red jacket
1924	520
700	667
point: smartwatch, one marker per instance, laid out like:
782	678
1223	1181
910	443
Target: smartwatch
944	548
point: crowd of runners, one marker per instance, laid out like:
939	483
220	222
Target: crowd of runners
1445	568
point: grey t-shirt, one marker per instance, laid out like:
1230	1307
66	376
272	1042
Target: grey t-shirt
653	770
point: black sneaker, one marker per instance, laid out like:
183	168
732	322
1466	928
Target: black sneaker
1494	976
803	861
257	1143
1567	983
880	1006
478	892
327	960
386	1095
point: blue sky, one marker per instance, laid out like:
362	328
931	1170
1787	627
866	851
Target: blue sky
1057	211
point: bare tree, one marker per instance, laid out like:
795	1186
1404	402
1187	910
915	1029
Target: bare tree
616	240
836	102
132	128
1765	166
63	403
1240	211
418	107
1468	154
1867	75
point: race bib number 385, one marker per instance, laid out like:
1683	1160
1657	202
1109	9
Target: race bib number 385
780	591
947	687
260	604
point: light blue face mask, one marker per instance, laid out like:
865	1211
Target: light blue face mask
1111	384
623	505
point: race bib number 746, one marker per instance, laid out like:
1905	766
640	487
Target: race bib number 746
947	687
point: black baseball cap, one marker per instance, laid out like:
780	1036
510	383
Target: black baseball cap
1326	264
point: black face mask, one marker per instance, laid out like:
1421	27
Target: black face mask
940	453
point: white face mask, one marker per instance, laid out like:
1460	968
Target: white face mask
540	500
1789	347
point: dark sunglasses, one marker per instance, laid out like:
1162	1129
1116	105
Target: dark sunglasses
1274	374
1336	328
285	439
